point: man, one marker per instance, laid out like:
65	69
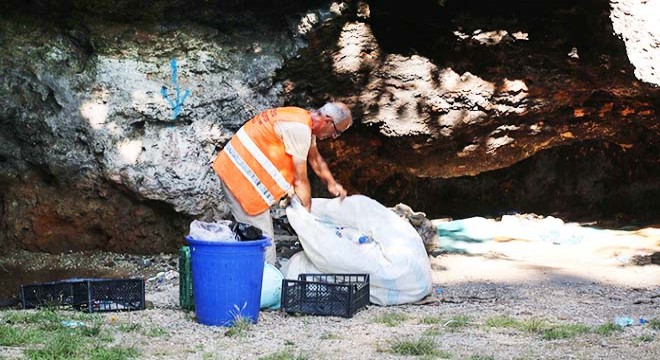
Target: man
267	159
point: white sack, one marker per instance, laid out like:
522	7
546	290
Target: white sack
395	260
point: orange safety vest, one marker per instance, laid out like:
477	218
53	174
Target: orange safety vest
254	164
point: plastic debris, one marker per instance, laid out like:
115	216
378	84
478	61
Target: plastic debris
440	293
164	276
246	232
271	288
215	231
72	324
623	321
365	239
471	235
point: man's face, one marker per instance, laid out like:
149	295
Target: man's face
329	130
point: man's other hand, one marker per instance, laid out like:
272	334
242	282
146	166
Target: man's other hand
337	190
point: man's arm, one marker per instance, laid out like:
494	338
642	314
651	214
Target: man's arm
321	169
301	184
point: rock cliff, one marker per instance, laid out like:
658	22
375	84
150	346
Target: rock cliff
461	108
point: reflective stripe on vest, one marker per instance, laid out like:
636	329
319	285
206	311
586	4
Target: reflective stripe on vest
263	160
249	174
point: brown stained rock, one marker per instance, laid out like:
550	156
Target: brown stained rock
64	218
475	128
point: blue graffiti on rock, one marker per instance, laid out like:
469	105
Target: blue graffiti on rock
176	103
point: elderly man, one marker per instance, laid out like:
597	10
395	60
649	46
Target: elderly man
267	159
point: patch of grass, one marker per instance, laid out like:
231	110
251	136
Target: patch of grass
69	344
431	332
164	353
114	353
63	345
564	331
209	356
430	320
50	319
92	331
190	315
155	332
240	327
530	355
645	338
284	355
329	336
391	319
534	325
11	336
458	321
654	324
44	337
481	357
607	329
47	319
502	322
423	346
129	327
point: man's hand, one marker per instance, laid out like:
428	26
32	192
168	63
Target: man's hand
337	190
321	169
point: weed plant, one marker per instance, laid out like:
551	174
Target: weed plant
423	346
503	322
430	320
607	329
285	355
391	319
534	325
458	321
644	338
565	331
654	324
240	328
155	332
329	336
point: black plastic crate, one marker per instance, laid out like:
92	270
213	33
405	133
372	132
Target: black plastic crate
326	294
91	295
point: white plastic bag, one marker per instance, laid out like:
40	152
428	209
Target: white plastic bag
216	231
271	288
394	258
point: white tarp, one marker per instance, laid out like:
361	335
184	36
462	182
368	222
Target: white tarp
394	256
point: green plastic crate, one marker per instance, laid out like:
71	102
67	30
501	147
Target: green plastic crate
185	280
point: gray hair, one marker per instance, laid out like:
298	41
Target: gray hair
336	112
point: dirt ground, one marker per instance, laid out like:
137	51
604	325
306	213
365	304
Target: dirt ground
590	283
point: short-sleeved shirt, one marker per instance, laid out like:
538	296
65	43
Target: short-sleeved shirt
297	138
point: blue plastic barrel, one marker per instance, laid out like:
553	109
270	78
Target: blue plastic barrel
227	279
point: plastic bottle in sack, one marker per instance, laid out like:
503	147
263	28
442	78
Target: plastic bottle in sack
366	238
